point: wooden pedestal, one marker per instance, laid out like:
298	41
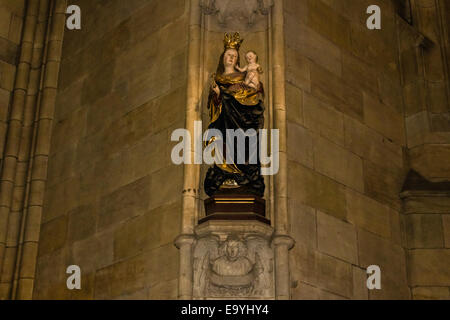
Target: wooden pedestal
235	207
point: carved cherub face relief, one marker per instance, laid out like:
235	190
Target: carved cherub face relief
230	58
233	249
251	57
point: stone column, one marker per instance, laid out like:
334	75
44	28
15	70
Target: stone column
15	130
23	164
282	243
32	219
185	287
191	171
25	172
426	216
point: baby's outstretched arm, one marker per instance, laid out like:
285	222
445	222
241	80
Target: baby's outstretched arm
244	69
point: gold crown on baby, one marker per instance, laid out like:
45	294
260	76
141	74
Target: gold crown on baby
232	41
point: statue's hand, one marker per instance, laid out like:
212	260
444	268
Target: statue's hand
215	88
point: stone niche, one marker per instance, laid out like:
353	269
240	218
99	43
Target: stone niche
232	253
233	260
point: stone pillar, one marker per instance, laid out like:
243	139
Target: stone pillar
14	133
184	243
427	222
426	194
32	218
24	173
25	148
279	96
191	171
282	243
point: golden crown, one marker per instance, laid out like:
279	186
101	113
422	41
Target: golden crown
232	41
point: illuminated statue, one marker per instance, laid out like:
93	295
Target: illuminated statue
236	102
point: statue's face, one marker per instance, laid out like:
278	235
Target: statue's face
233	250
250	57
230	58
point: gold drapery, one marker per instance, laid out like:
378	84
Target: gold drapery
232	84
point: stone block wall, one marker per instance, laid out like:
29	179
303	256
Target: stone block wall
346	147
113	198
363	108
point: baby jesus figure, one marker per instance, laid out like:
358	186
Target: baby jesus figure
253	70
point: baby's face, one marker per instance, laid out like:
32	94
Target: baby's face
250	57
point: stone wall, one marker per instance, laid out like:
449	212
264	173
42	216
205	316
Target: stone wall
346	146
363	109
113	199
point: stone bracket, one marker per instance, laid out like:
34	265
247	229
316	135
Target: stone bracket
233	260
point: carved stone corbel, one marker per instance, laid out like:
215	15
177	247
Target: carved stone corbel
236	12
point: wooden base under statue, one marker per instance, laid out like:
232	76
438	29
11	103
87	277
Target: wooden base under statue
231	207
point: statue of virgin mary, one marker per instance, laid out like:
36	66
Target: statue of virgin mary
234	105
